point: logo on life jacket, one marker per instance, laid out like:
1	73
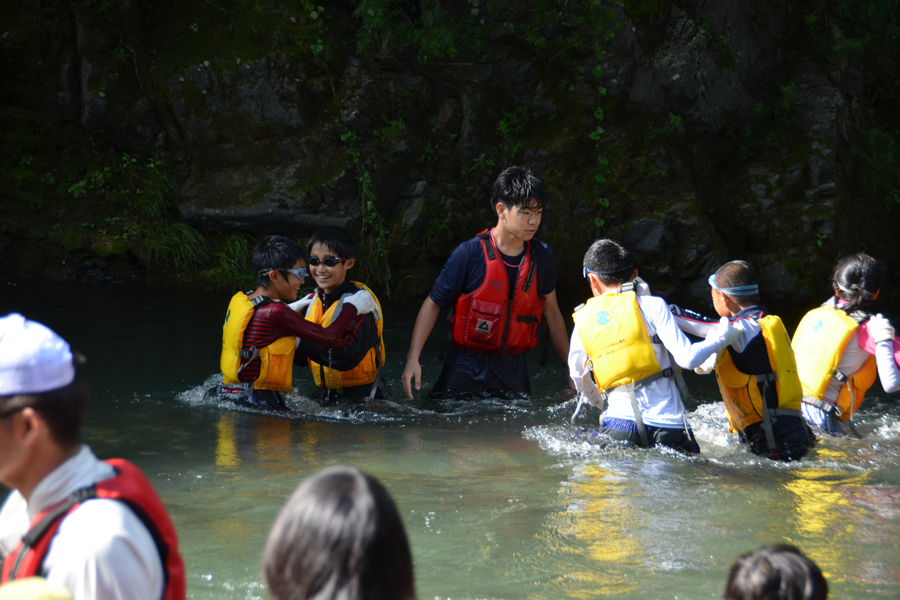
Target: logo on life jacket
602	318
228	314
497	284
483	327
818	326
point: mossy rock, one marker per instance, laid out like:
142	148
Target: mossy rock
109	246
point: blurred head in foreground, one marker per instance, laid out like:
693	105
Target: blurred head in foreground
339	537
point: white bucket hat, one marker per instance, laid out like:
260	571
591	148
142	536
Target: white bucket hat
33	359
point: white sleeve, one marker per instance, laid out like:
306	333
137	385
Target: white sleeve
686	354
578	360
888	371
104	552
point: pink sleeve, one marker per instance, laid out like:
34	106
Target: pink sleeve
867	343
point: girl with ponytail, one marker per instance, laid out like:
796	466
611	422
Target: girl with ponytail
841	348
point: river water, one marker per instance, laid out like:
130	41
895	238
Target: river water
499	500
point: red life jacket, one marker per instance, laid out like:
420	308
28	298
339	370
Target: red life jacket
130	486
483	321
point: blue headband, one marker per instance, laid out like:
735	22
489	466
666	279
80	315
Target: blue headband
738	290
585	271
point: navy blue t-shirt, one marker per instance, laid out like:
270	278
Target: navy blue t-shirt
462	274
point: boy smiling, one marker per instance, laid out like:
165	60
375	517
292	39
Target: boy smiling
352	369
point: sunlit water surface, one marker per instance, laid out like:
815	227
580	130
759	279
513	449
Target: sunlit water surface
500	500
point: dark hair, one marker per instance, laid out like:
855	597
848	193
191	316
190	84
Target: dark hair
274	252
610	260
738	273
779	572
63	410
337	239
517	186
858	278
339	537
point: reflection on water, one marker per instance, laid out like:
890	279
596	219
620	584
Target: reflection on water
500	500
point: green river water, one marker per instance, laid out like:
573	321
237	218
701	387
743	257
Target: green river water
499	500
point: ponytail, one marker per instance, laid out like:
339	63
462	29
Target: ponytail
858	278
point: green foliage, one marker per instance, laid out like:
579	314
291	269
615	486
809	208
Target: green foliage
643	10
511	125
233	264
375	251
879	158
391	130
78	189
483	165
725	50
426	29
553	27
820	239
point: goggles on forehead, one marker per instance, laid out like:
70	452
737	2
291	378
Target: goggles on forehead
738	290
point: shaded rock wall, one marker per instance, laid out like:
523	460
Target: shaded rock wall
726	134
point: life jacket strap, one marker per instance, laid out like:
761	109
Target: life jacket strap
488	246
764	380
250	355
824	405
47	521
532	268
631	388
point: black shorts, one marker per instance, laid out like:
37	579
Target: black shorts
793	439
454	385
672	437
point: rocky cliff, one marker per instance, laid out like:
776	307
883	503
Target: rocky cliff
157	139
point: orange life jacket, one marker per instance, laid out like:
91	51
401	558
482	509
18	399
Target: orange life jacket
485	321
130	486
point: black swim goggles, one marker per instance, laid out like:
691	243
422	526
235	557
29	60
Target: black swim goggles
328	261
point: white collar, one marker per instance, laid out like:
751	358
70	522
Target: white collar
80	471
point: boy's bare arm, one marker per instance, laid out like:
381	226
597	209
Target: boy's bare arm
425	321
558	335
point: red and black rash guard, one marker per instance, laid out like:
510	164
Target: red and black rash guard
276	320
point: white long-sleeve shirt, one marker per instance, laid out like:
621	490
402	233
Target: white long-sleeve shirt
660	402
102	550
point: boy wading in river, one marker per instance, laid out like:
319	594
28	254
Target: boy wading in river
499	285
261	330
757	374
627	346
351	369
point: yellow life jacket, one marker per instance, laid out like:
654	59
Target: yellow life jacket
276	359
362	374
741	391
614	336
819	344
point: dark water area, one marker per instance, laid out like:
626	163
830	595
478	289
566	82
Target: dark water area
500	500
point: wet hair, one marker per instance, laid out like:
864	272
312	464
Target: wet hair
339	537
518	186
62	409
611	261
274	252
858	278
337	239
779	572
738	273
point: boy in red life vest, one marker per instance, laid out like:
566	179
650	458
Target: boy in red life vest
94	527
499	285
